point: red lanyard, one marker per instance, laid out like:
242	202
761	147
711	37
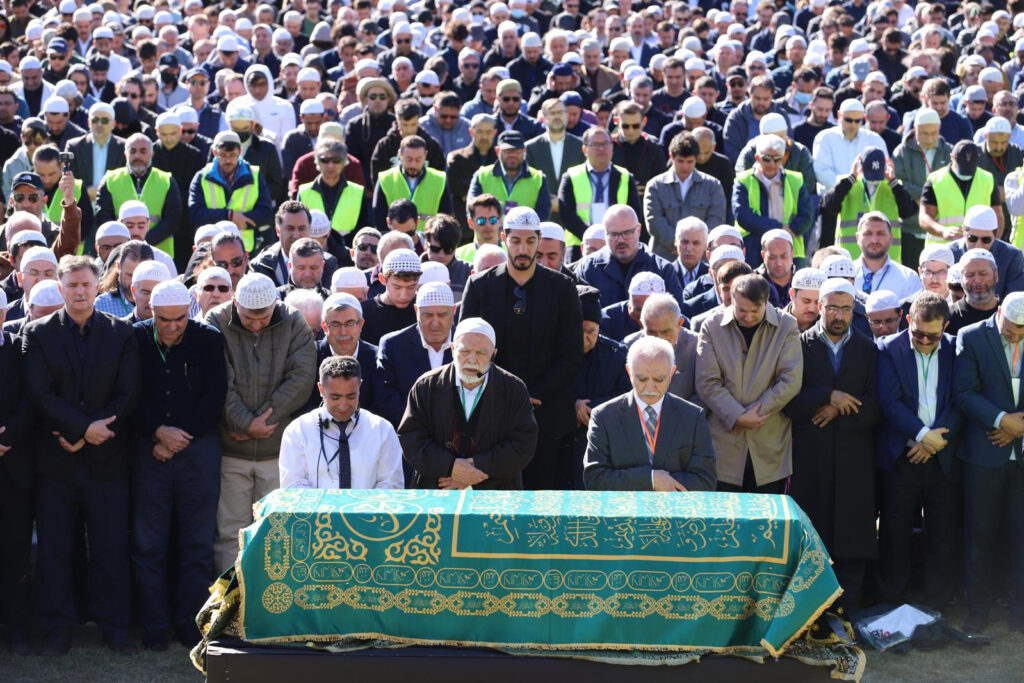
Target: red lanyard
1013	368
651	443
925	155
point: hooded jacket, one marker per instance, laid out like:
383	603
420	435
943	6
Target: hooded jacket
275	114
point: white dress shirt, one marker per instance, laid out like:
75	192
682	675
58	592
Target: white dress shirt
834	155
470	397
374	452
436	357
684	186
895	277
557	152
927	388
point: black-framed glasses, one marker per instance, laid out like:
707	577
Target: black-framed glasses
930	337
236	262
189	131
984	240
334	325
884	322
367	246
493	220
519	303
223	289
436	249
630	126
511	98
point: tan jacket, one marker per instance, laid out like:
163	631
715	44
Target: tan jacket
731	379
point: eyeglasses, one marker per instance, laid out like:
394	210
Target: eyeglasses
629	126
839	310
236	262
883	322
435	249
100	119
377	96
367	246
920	336
600	145
493	220
852	120
471	65
984	240
927	272
329	160
132	96
189	131
770	160
198	82
403	41
334	325
223	289
57	58
519	304
511	98
31	197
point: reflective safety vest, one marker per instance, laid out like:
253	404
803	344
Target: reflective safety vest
792	182
427	196
951	207
524	193
242	199
346	211
584	194
54	211
1017	238
467	252
856	205
154	191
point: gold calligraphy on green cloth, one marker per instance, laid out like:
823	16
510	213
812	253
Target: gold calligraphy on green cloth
566	570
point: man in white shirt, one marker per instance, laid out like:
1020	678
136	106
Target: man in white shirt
339	445
837	148
875	270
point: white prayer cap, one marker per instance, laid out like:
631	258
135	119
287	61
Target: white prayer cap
694	108
228	226
859	46
104	108
877	77
773	123
112	229
398	62
839	266
319	223
552	231
168	118
646	283
915	72
977	254
308	75
432	271
475	326
881	300
809	278
594	232
240	110
256	292
851	105
775	234
435	294
620	44
27	236
185	112
372	64
657	61
937	252
133	208
696	64
205	232
56	105
522	218
403	261
312	107
213	273
37	254
725	252
170	293
348	277
925	116
981	217
427	78
45	293
770	143
953	274
997	124
530	39
575	58
990	74
724	231
1012	308
835	285
150	271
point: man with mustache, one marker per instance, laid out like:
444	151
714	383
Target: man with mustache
979	276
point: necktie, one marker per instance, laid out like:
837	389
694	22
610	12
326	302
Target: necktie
599	183
344	457
652	426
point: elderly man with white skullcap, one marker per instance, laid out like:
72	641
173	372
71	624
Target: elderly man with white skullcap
177	462
271	357
469	423
979	277
623	318
980	231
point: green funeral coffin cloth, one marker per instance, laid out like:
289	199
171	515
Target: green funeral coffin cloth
546	570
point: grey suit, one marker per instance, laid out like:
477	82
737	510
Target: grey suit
683	382
538	155
663	207
617	459
82	146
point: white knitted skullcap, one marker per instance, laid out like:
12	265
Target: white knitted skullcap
27	236
132	208
112	229
402	261
348	277
724	231
319	223
982	254
925	116
646	283
809	278
206	232
1012	307
953	274
339	299
937	252
881	300
435	294
522	218
981	217
773	123
168	118
34	254
594	232
213	273
775	234
835	285
256	291
694	108
725	252
149	271
170	293
552	231
434	272
477	326
45	293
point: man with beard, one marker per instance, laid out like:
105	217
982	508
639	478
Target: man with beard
305	268
743	123
513	181
979	276
777	265
463	163
364	132
275	115
256	150
876	270
819	117
979	232
834	417
469	423
555	151
181	160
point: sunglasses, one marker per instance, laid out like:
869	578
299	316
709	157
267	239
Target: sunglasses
31	197
132	96
493	220
771	160
100	119
329	160
510	98
925	336
984	240
629	126
236	262
471	65
851	120
223	289
199	82
367	246
377	96
403	41
519	305
434	249
57	58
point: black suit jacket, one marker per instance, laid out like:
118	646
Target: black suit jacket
68	395
555	355
15	413
617	458
81	147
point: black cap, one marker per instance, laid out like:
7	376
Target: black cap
562	70
735	71
590	302
966	155
99	63
511	139
169	61
124	112
28	178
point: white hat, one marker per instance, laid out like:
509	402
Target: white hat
981	217
56	105
634	71
915	72
657	61
239	109
926	115
205	232
530	39
27	236
696	64
998	124
256	292
769	143
348	277
572	58
1012	308
851	105
102	32
399	61
402	28
368	64
168	118
475	326
29	63
319	223
724	231
227	44
290	59
646	283
859	46
990	74
594	232
775	234
427	78
977	254
213	273
881	300
808	278
620	44
839	266
149	271
341	299
432	271
694	108
112	229
773	123
45	293
402	261
435	294
835	285
522	218
953	274
937	252
725	252
877	77
133	208
308	75
552	231
170	293
185	113
311	107
144	11
36	254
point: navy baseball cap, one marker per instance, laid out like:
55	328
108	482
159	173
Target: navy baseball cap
27	178
571	98
873	163
168	60
562	70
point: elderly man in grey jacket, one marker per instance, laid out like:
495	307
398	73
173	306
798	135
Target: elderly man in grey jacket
924	151
681	192
271	360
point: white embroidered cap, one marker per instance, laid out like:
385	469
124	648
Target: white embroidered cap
112	229
435	294
434	272
45	293
475	326
552	231
937	252
170	293
348	277
646	283
256	292
839	266
881	300
132	208
339	299
725	252
35	254
973	254
1012	307
150	271
402	261
834	285
319	223
809	278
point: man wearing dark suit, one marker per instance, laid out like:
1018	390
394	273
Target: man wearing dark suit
987	380
556	141
661	318
342	322
536	315
84	368
649	439
916	452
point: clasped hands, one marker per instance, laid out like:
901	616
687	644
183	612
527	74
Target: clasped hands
169	442
932	442
839	403
464	474
1011	427
260	428
97	433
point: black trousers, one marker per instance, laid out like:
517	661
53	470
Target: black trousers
750	483
15	553
992	496
904	491
551	467
179	494
104	504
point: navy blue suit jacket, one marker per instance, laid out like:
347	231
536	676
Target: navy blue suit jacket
401	360
601	270
898	398
366	354
616	323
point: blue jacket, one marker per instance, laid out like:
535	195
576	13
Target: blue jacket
616	323
366	354
602	271
982	380
898	398
262	214
401	360
953	127
758	224
741	127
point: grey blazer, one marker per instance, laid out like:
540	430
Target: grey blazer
684	381
538	155
617	458
663	208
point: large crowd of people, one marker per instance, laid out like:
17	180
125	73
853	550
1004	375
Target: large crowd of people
436	244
